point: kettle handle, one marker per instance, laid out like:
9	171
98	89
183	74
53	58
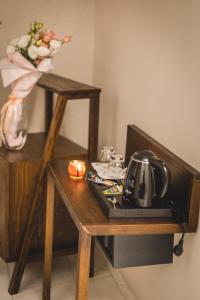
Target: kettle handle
165	175
128	175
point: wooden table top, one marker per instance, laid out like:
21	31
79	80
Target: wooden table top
65	86
87	214
33	149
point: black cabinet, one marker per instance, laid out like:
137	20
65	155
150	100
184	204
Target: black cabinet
138	250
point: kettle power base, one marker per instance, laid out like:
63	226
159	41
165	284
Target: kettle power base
125	210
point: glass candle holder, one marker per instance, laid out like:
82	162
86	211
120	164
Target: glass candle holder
76	169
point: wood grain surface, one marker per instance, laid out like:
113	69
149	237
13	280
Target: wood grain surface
18	174
49	226
71	88
85	210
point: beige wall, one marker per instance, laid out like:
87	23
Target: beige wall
74	17
147	61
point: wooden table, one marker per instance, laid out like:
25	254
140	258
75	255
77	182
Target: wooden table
90	221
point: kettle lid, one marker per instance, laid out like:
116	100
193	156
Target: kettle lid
143	156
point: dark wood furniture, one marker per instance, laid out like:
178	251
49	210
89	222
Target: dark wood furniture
23	177
92	222
18	173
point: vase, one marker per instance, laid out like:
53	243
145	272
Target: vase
14	125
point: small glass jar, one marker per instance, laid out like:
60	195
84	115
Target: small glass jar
106	153
116	161
14	124
76	169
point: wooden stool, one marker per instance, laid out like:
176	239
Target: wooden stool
66	90
73	90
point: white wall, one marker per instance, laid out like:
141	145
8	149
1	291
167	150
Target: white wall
147	61
73	17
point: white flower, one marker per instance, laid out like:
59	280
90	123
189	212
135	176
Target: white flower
42	51
55	44
10	49
14	42
33	41
36	37
32	52
23	41
53	52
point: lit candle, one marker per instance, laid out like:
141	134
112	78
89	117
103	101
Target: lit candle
76	169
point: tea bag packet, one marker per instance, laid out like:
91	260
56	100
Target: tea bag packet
115	190
97	179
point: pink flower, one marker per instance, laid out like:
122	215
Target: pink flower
46	38
67	39
49	35
45	45
50	32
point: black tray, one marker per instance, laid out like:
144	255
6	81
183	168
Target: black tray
125	210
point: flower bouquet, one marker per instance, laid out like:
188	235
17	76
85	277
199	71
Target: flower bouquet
28	57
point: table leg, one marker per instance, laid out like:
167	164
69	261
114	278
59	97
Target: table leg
48	239
84	248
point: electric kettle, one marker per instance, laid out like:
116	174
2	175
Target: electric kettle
147	179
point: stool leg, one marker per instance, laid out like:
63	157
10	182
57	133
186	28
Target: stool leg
93	128
48	239
48	109
30	226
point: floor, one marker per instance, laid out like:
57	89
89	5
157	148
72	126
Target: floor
107	284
